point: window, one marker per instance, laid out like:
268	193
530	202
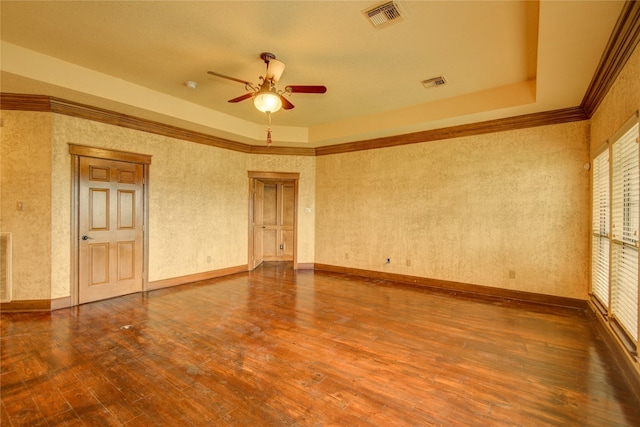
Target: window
625	215
600	229
615	229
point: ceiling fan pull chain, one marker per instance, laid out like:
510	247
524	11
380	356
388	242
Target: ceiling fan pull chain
269	130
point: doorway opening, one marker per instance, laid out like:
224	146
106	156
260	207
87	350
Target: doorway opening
273	218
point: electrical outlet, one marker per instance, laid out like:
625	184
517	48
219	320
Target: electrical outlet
408	262
388	261
209	258
512	274
346	256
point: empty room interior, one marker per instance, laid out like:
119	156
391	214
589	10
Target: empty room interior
294	213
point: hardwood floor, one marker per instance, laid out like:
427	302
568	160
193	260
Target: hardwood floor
280	348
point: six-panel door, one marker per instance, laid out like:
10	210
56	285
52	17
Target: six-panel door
111	228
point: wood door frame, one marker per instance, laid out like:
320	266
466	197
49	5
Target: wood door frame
267	177
78	151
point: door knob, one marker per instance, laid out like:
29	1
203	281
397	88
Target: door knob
85	237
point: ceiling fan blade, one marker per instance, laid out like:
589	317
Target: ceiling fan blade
286	104
228	78
305	89
241	97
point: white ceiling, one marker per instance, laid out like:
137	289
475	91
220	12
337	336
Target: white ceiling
499	58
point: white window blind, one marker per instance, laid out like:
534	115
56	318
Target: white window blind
600	229
625	217
624	288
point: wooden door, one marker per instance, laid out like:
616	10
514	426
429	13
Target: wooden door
273	213
110	221
258	224
278	217
286	221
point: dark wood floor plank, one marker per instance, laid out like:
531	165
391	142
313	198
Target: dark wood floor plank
283	348
65	419
4	417
87	406
21	410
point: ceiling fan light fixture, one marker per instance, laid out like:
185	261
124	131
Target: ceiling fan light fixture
275	69
267	99
267	102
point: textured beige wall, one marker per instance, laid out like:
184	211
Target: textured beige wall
198	200
306	166
468	210
25	147
622	100
460	210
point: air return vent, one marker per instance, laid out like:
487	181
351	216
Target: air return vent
434	82
384	14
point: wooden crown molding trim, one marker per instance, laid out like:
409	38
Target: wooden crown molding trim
460	288
17	101
55	105
60	106
282	151
621	45
491	126
24	102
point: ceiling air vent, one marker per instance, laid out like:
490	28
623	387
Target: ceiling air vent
384	14
434	82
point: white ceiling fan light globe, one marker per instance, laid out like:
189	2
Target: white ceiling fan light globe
267	102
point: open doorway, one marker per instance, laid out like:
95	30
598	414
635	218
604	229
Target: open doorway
273	217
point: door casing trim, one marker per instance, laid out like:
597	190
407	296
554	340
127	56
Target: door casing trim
274	177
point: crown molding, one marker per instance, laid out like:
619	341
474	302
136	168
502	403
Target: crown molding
15	101
43	103
491	126
9	101
623	41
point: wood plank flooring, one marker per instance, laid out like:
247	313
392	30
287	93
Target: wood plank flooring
276	347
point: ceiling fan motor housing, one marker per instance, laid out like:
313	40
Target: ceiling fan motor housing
267	56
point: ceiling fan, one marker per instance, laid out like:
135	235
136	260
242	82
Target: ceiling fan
266	97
